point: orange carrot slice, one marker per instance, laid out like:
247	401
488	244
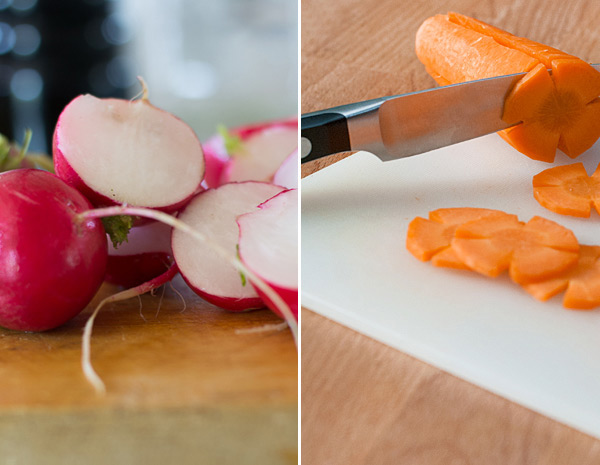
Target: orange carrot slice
568	190
532	251
429	239
558	110
582	283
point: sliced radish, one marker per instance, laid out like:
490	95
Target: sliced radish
287	174
262	153
268	246
120	151
249	153
213	213
146	255
216	160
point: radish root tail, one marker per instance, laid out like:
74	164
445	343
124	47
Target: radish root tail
86	359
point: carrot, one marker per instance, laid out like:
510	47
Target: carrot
550	111
530	251
582	283
491	241
568	190
429	239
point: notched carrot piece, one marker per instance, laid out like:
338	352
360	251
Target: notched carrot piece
560	110
582	283
532	251
568	190
540	255
429	239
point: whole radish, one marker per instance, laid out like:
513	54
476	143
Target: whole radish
51	262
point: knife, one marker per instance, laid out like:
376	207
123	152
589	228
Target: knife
404	125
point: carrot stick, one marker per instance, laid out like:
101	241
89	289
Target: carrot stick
558	110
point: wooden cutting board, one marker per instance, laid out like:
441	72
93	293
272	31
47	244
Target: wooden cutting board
186	383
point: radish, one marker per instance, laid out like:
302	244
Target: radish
249	153
146	255
287	174
127	152
216	160
268	245
214	212
52	262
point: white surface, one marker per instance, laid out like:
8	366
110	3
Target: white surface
357	271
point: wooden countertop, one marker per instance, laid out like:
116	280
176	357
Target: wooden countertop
186	383
363	402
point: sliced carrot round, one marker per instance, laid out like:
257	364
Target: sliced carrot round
567	190
582	283
532	251
429	238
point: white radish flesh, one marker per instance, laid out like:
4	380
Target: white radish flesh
262	153
120	151
214	213
287	174
268	245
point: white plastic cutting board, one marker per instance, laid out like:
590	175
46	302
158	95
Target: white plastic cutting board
357	271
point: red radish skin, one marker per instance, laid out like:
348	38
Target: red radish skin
132	270
51	262
127	152
145	255
213	213
265	147
268	245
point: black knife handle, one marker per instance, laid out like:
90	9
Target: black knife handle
323	133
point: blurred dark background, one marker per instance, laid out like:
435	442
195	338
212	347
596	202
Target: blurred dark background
227	62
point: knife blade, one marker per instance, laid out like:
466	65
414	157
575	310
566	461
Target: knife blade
409	124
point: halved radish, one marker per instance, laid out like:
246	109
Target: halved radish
268	246
262	153
249	153
146	255
287	174
216	159
213	213
127	152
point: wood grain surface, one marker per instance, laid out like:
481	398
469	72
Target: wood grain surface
186	382
363	402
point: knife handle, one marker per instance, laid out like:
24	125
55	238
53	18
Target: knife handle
322	134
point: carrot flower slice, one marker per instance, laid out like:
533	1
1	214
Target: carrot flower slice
429	239
582	283
568	190
557	110
532	251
